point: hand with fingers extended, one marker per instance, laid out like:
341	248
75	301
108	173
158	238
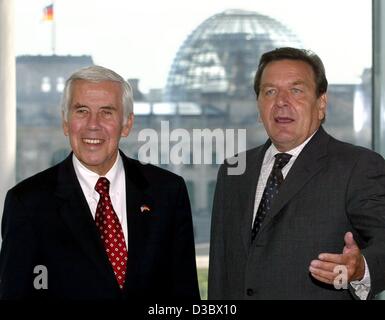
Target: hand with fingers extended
324	269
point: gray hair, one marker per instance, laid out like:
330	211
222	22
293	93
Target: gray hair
98	74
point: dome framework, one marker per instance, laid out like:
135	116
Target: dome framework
221	55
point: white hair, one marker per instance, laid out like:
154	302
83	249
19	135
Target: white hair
98	74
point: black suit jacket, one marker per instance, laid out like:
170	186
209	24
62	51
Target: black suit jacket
47	222
332	188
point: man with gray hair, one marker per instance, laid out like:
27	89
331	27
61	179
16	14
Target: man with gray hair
98	225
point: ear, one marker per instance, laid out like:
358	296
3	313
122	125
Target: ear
65	125
128	125
322	106
259	117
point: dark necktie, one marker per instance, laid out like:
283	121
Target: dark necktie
110	231
271	190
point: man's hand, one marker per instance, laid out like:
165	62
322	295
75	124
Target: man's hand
351	258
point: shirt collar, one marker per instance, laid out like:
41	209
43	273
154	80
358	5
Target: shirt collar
88	178
272	150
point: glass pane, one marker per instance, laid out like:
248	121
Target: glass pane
192	69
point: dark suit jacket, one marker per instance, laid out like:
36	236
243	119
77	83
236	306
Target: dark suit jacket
332	188
47	222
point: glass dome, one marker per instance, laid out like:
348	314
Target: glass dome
221	55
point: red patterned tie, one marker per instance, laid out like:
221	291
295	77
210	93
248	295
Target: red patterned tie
110	231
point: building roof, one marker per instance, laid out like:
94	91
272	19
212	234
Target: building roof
221	55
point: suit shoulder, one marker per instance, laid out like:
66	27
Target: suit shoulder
240	162
248	154
154	173
44	179
344	149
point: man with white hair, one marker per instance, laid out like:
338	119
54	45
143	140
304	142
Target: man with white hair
98	225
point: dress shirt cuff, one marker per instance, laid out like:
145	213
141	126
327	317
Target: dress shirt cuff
362	287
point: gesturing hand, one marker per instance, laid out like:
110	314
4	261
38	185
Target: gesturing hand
351	257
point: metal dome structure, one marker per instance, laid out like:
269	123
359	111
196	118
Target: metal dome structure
221	55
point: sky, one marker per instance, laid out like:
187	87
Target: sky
140	38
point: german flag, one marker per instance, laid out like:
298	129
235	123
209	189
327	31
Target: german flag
48	13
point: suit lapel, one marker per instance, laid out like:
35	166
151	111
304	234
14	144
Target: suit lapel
75	212
247	191
309	162
137	221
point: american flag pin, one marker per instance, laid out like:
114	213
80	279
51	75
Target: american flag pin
144	208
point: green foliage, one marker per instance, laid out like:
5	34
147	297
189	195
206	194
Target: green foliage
202	278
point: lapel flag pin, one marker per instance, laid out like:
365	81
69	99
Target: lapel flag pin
144	208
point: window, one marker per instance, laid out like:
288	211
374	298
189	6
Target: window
193	70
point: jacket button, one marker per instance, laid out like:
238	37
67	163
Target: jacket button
250	292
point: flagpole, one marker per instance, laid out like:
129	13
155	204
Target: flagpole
53	30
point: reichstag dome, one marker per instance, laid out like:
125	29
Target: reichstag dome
220	56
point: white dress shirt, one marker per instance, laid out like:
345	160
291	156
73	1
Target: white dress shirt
116	176
267	166
361	287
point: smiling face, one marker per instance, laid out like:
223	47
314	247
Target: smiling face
94	123
288	104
